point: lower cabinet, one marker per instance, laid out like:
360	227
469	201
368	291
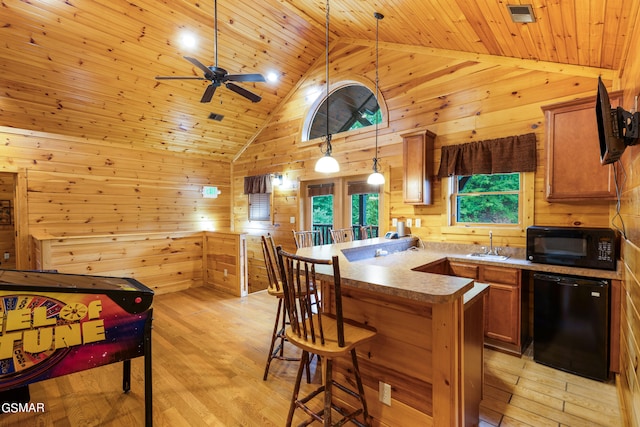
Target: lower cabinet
506	310
506	307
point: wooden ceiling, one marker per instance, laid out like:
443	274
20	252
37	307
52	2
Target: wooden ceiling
87	68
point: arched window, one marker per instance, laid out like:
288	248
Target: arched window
352	106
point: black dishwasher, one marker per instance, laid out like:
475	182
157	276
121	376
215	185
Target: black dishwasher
571	324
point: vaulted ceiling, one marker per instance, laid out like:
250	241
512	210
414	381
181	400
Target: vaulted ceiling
87	68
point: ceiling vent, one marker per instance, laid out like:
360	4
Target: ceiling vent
521	13
215	116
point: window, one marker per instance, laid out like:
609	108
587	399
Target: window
260	207
322	211
342	202
353	106
487	199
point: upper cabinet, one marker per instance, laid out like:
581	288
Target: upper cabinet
417	151
573	169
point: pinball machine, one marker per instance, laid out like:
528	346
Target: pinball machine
54	324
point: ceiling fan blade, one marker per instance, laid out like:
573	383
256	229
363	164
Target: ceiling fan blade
246	77
207	72
179	78
208	93
242	91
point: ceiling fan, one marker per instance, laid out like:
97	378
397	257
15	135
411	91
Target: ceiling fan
217	76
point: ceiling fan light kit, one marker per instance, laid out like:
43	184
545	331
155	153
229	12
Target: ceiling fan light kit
217	75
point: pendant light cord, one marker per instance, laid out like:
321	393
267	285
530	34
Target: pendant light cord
375	158
378	17
328	136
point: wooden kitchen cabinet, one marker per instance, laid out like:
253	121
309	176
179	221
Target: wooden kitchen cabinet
506	310
573	170
417	151
460	269
506	306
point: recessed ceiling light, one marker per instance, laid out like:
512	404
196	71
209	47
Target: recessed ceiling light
188	40
521	13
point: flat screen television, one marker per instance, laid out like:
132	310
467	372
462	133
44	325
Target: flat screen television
617	128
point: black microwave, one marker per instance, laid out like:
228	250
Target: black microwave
573	246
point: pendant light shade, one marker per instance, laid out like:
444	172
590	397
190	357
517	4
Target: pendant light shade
376	178
326	163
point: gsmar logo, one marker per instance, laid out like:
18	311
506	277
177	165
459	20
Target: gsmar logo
15	407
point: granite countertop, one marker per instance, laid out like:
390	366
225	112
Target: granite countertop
393	273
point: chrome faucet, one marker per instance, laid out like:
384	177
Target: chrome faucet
491	250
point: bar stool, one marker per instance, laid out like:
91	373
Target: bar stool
305	239
275	288
342	235
327	335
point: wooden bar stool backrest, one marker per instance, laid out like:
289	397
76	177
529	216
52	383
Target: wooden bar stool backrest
342	235
305	239
271	264
300	289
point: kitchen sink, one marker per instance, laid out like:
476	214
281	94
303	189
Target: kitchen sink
488	257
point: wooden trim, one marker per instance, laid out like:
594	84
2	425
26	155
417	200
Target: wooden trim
448	369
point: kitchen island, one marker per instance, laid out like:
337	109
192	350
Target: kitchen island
423	350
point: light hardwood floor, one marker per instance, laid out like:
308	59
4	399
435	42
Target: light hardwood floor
209	351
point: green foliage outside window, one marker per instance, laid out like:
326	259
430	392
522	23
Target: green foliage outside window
370	206
372	118
322	209
489	199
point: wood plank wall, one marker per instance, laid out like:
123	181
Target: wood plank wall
164	262
630	313
78	187
458	99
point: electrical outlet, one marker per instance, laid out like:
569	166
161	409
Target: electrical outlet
394	222
225	272
384	393
7	255
292	220
409	222
418	222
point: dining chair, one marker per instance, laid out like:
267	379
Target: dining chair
366	232
342	235
305	239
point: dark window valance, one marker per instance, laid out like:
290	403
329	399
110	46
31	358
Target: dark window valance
258	184
320	189
361	187
502	155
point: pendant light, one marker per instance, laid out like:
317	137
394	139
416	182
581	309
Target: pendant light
376	178
326	163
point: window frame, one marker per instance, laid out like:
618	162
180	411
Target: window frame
340	81
455	194
525	207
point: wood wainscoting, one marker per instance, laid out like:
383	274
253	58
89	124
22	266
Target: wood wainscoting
164	262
